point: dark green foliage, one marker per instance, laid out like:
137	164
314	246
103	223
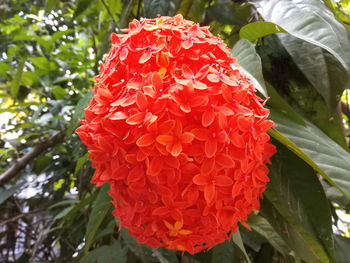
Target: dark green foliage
297	53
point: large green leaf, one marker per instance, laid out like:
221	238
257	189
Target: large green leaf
4	68
5	193
237	240
165	255
228	13
223	253
264	228
192	9
82	6
283	74
299	197
250	63
156	7
326	75
277	102
310	21
304	245
254	31
142	251
342	245
106	254
100	209
316	148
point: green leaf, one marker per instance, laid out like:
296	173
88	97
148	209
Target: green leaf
264	228
192	9
231	14
156	7
298	195
59	92
100	209
82	6
64	203
295	236
57	35
41	163
250	63
142	251
17	79
237	240
324	72
334	195
284	75
81	161
4	68
6	193
316	148
72	210
106	254
79	111
277	102
223	253
254	31
28	78
342	245
310	21
51	4
165	255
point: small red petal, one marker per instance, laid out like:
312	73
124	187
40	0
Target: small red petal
119	115
176	149
141	101
136	119
145	140
187	137
145	57
201	180
199	101
157	80
223	181
210	148
225	160
187	72
201	134
209	193
236	189
123	53
155	166
207	118
165	139
115	38
199	85
208	166
245	123
166	126
135	174
213	78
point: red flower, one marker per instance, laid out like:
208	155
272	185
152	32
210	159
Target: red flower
179	135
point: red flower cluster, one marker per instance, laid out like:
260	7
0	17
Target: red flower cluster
178	134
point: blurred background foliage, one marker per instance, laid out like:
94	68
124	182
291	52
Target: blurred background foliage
296	52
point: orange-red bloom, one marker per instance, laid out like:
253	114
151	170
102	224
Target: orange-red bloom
178	134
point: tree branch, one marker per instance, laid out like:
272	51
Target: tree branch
29	156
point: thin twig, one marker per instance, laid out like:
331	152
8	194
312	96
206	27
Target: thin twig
29	156
15	218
